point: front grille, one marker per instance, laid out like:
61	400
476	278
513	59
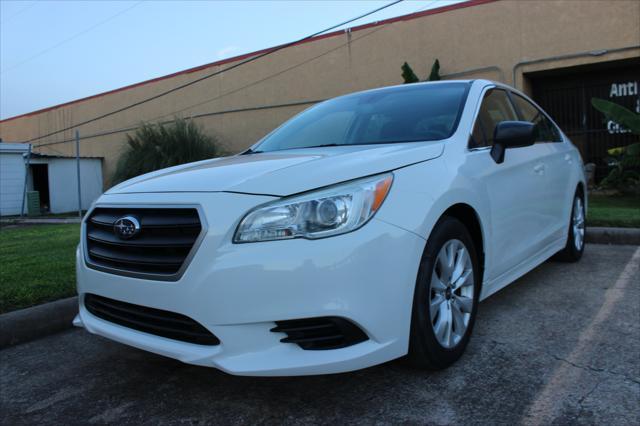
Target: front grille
320	333
149	320
160	248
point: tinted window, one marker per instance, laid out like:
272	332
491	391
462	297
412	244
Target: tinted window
546	131
410	113
495	108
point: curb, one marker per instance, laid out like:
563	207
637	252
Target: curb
604	235
38	321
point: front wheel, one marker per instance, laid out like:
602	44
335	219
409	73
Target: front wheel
445	298
572	252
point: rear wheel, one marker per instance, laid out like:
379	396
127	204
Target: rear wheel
572	252
445	298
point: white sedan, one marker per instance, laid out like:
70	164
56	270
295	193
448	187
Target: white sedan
364	229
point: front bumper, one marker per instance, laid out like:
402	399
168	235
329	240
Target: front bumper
239	291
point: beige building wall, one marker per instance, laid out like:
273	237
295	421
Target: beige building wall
480	39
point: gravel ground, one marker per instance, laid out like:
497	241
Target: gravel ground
560	346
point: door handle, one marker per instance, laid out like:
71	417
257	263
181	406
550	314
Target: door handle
568	159
539	169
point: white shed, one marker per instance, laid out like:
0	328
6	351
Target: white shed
54	177
12	172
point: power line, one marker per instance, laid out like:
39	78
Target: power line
182	86
19	12
429	4
204	114
256	82
73	37
133	126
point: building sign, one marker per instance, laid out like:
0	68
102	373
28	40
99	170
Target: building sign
623	90
566	95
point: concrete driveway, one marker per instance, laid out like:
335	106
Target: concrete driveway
560	346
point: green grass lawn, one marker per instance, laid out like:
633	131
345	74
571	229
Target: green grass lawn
37	264
613	210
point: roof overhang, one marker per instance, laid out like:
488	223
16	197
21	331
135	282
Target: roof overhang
14	148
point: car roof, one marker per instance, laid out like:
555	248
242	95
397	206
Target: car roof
404	86
482	82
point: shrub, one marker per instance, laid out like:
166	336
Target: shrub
157	146
625	176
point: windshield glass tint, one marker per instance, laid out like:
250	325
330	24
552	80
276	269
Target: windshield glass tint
409	113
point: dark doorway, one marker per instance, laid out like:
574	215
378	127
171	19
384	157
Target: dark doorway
40	174
566	95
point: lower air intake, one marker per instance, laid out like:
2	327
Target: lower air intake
320	333
149	320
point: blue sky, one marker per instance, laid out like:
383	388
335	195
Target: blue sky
57	51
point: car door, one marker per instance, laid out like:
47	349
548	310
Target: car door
557	165
515	189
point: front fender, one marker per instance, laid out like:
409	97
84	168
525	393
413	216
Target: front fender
422	193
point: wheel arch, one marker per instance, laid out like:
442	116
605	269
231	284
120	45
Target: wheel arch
471	220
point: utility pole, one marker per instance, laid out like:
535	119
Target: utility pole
26	179
78	173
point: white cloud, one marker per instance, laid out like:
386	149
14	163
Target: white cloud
226	52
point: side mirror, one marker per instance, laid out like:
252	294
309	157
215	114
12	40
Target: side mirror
511	134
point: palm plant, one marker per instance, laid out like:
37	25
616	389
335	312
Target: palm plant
434	75
157	146
621	115
625	176
409	76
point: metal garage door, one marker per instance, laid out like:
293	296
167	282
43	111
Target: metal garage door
566	96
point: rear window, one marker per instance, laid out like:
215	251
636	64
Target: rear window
412	113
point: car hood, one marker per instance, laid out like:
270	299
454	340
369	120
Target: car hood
282	173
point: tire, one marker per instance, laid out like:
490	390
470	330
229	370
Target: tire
572	252
428	348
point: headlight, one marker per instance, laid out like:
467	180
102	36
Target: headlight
330	211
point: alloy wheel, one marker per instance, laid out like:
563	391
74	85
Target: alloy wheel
451	293
578	223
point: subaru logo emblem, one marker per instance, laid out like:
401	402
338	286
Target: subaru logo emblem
126	227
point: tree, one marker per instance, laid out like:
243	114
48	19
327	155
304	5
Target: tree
157	146
410	77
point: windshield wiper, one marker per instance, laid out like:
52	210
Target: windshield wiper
251	151
321	146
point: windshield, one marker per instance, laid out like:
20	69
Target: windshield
412	113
